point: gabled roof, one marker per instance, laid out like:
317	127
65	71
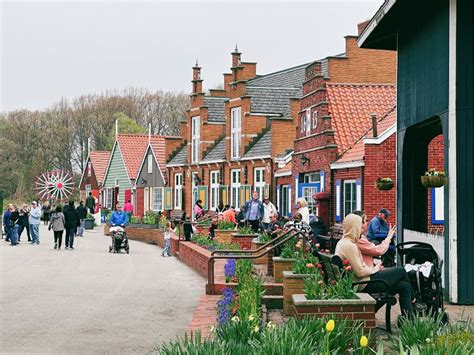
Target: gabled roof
217	153
180	158
157	146
287	78
133	147
99	160
271	100
351	106
216	108
357	151
262	148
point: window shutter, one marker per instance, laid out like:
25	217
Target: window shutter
245	193
437	205
168	198
289	200
223	195
358	195
202	195
338	201
322	179
278	204
267	190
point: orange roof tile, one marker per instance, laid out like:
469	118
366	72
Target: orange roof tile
99	160
133	148
357	151
158	146
351	106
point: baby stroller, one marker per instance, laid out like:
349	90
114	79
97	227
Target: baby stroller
119	240
424	269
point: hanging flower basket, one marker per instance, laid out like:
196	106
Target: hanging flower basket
384	184
434	178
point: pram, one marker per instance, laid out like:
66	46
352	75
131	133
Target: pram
119	240
424	271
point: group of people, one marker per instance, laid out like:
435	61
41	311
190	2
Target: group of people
68	220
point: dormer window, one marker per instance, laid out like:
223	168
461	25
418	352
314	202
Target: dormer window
235	132
195	138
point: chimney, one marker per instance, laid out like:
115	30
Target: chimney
361	26
374	125
235	62
197	81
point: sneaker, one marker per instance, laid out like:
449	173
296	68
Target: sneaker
66	248
55	246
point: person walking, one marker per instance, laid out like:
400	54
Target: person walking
46	212
72	219
14	216
254	211
6	222
268	209
128	209
167	237
57	223
90	203
23	222
34	222
82	211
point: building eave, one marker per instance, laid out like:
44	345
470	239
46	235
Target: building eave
347	165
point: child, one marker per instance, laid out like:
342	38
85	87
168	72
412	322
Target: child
167	237
212	228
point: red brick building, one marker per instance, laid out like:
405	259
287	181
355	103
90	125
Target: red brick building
231	136
93	175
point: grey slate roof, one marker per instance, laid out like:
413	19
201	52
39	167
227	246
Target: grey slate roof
287	78
217	153
262	148
271	100
216	108
181	157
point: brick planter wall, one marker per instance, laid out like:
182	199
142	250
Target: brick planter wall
292	284
147	235
224	235
263	260
244	240
280	265
361	309
195	256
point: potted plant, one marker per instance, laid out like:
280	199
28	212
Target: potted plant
244	237
434	178
89	222
384	184
224	231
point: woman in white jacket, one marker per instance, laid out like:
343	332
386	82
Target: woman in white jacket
303	209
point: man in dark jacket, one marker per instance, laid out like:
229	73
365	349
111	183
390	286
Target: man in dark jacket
90	203
23	222
82	216
254	211
72	222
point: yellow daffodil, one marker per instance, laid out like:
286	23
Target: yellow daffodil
256	329
330	325
235	319
251	317
213	329
364	341
428	340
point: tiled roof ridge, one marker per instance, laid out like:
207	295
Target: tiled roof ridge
142	135
367	131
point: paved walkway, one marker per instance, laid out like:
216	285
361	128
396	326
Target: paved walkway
90	301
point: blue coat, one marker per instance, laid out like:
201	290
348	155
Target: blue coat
118	219
377	229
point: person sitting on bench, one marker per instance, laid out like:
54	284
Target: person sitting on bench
395	277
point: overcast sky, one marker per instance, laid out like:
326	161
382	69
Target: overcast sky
60	49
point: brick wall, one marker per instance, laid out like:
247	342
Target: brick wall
194	256
435	160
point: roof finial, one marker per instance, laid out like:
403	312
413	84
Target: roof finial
197	64
236	49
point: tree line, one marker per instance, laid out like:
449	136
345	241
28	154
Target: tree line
32	142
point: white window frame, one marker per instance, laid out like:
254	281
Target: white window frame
308	121
150	164
235	132
109	197
353	196
178	191
259	182
315	119
302	123
235	187
117	182
312	177
89	169
195	138
157	203
214	184
285	210
88	189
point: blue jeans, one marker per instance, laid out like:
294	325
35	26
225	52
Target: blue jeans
81	229
14	234
166	250
70	233
34	232
8	233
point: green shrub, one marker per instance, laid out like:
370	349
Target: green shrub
289	249
305	264
135	219
246	230
264	237
151	217
225	225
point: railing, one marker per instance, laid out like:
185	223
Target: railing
276	242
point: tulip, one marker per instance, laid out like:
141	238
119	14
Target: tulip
330	325
364	341
345	262
256	329
251	317
309	265
235	319
320	282
348	268
317	245
319	266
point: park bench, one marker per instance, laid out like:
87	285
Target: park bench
333	267
329	241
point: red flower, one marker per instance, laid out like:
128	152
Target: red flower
348	268
320	282
333	282
345	262
317	245
309	265
319	266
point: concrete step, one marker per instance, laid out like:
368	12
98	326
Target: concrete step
273	301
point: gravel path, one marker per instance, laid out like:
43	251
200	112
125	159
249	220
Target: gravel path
89	301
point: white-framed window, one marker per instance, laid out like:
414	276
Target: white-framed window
195	138
235	187
117	182
285	200
350	196
315	119
235	132
89	169
307	122
302	123
109	197
259	182
312	177
157	199
150	163
178	191
214	189
88	189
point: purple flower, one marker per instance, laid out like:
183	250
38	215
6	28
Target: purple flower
229	268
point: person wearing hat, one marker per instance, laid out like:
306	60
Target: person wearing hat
34	222
377	232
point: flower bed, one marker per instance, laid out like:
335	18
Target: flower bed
212	245
263	260
434	179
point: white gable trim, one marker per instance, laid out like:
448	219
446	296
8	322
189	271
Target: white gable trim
384	136
349	164
284	173
110	162
84	170
149	147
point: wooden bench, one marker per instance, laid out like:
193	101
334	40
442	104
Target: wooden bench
330	241
333	267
